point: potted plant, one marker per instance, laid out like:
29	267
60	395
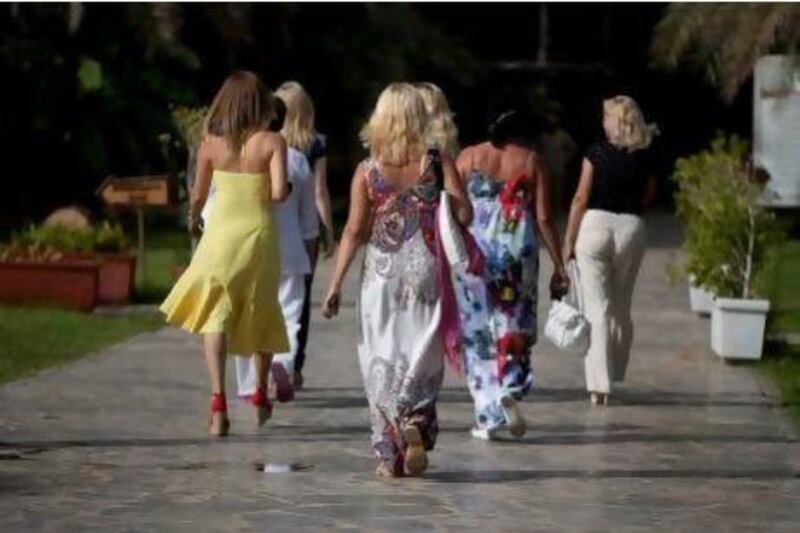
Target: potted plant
117	264
32	272
690	178
105	245
731	236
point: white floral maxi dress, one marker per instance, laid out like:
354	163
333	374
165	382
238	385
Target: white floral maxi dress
400	347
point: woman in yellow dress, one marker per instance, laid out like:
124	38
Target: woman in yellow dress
229	293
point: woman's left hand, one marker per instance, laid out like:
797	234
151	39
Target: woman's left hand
559	283
196	227
330	306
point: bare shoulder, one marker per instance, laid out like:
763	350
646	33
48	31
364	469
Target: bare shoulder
362	169
533	159
465	153
268	141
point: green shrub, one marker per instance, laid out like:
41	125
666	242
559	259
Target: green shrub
189	123
51	243
729	234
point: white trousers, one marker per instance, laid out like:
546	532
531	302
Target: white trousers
609	251
291	294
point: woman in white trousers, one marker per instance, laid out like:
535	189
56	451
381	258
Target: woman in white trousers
298	228
606	236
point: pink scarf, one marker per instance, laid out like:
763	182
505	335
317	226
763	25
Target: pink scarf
450	324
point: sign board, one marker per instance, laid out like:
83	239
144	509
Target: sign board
139	191
776	127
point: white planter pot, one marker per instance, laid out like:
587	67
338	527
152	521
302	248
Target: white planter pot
737	327
701	301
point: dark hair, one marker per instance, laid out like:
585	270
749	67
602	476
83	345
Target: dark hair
509	120
242	106
279	108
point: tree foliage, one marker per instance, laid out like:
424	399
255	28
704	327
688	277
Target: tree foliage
725	40
91	87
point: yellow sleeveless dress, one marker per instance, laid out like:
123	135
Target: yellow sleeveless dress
231	285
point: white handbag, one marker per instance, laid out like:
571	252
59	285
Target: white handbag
566	326
450	233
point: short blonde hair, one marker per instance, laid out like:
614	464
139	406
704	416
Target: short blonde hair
298	126
396	131
629	129
442	130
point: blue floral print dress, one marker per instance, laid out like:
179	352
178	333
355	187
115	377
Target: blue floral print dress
498	310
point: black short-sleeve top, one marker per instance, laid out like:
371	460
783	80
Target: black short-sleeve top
317	150
619	178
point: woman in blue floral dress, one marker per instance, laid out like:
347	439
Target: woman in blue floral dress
509	193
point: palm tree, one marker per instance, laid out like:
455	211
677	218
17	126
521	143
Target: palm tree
725	40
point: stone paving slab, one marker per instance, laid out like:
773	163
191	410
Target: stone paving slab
116	442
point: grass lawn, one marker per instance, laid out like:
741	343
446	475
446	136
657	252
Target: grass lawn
783	362
164	249
785	289
33	338
783	366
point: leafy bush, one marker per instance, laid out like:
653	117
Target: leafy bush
109	238
189	123
729	234
51	243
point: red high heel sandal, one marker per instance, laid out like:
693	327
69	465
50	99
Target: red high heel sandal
263	406
218	423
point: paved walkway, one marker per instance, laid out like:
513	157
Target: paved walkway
117	442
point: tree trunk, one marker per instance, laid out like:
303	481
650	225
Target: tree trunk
751	241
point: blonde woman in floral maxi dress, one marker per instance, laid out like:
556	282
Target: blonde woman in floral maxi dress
393	209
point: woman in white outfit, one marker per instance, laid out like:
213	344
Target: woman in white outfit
300	133
298	226
606	235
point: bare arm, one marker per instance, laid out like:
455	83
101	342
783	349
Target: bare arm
309	220
353	236
464	163
202	184
279	189
454	185
544	219
577	209
323	200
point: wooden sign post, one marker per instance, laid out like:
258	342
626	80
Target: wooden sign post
137	193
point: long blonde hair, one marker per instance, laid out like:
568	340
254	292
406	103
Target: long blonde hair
396	131
628	127
298	126
441	129
242	106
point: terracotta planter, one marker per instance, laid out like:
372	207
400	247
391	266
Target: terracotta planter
71	283
117	277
